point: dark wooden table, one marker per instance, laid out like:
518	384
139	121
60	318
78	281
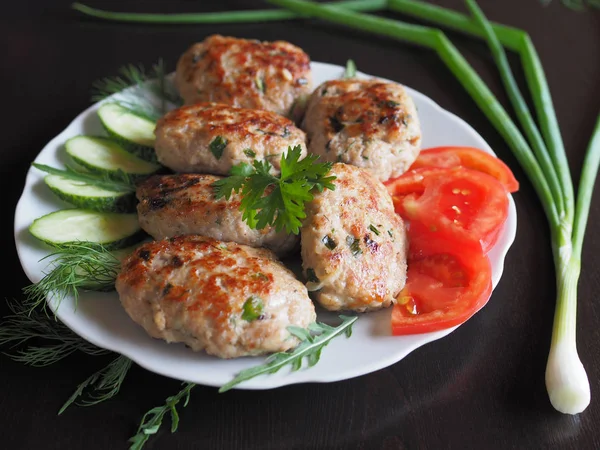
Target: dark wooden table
481	387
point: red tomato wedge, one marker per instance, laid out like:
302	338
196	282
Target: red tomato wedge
455	203
447	283
470	158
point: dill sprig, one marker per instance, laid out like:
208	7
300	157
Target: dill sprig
105	383
132	86
312	342
152	420
76	266
122	182
27	324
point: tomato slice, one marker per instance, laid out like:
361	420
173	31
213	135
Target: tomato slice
412	182
447	283
470	158
457	203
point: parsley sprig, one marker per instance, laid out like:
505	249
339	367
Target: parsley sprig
278	201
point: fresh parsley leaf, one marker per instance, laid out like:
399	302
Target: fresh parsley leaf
268	200
217	146
253	309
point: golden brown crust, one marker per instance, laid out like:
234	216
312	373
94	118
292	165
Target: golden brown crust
182	204
372	124
194	289
354	243
186	138
243	72
265	123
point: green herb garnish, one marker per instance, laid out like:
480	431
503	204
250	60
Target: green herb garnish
354	244
252	309
217	146
105	383
312	342
374	229
311	276
260	84
350	71
329	242
124	184
152	420
278	201
130	90
72	267
250	153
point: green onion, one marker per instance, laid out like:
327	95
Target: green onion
436	40
519	104
546	165
566	380
259	15
520	42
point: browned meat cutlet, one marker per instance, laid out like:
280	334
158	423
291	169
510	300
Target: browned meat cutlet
245	73
212	138
182	204
228	299
353	243
372	124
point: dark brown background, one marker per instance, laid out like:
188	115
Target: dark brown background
482	387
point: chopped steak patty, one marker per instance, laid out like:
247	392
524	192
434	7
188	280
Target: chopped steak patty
211	138
245	73
353	243
372	124
225	298
179	204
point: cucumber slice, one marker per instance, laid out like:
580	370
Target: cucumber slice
107	158
134	132
87	196
65	226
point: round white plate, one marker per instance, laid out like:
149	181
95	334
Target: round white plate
100	319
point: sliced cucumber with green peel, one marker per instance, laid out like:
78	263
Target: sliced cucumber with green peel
111	230
87	196
134	132
106	157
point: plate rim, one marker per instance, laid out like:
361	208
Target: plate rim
274	381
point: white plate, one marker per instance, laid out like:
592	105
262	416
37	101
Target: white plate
100	319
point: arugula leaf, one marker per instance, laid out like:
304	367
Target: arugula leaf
268	200
152	420
312	342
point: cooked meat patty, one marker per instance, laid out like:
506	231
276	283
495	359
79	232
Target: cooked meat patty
178	204
354	244
225	298
211	138
372	124
245	73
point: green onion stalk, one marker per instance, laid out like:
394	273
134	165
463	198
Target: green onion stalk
248	16
543	158
566	380
548	170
